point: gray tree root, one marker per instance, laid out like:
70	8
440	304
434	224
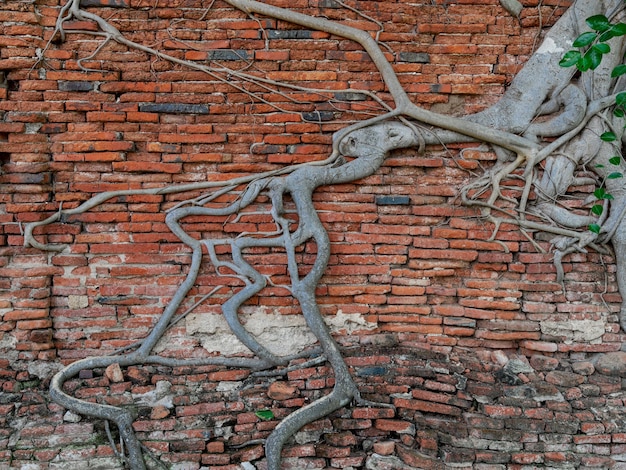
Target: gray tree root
512	6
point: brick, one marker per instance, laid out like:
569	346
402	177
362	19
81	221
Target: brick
462	255
174	108
34	324
401	427
416	459
414	57
23	314
146	167
76	85
317	116
373	413
201	409
393	200
97	116
229	54
192	138
501	411
429	407
541	346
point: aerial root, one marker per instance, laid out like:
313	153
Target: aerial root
318	409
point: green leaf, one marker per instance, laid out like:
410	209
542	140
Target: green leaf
584	63
595	57
595	228
618	71
585	39
607	35
620	99
265	415
597	209
618	29
602	47
618	112
608	137
570	58
615	175
601	194
598	23
615	160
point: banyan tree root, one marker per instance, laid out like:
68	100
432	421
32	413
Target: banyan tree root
373	143
512	6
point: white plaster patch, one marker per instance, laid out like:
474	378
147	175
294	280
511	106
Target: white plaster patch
587	331
43	370
280	334
160	396
77	301
549	47
71	417
8	342
228	386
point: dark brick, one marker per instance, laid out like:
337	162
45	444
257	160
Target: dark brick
289	34
267	149
174	108
459	321
229	54
105	3
414	57
370	371
528	425
350	96
453	456
340	439
393	200
496	434
318	116
492	457
76	86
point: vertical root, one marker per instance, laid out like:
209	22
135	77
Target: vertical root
122	418
305	415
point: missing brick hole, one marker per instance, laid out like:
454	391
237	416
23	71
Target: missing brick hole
4	158
13	85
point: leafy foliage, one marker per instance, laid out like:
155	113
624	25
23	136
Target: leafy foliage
592	46
264	415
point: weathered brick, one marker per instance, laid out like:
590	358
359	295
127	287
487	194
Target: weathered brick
76	86
174	108
229	54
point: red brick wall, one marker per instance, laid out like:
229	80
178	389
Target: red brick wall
451	306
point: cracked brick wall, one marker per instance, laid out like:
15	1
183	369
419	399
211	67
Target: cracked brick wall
489	362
